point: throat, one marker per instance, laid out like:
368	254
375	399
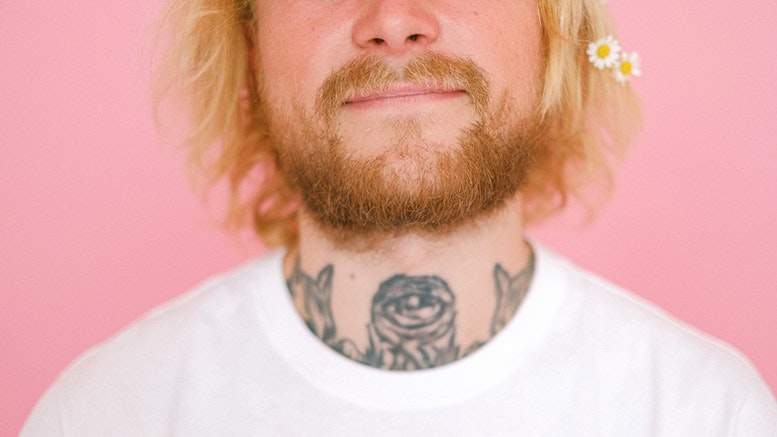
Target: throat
407	321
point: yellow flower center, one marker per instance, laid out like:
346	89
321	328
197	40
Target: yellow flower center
603	51
626	68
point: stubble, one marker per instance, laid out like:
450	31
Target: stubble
413	186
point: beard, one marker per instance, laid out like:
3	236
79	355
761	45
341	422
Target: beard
413	186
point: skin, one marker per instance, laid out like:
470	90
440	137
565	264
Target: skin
300	42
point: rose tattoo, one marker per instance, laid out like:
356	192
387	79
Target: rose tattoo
412	323
412	318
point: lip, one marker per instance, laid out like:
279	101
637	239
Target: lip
403	94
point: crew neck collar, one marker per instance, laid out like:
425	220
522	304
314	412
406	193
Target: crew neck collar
395	390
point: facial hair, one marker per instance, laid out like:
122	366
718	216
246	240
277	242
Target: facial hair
413	186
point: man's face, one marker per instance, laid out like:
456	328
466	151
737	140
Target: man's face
394	115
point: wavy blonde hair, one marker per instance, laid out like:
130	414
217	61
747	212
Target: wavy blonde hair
590	116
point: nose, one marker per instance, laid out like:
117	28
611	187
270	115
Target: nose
395	26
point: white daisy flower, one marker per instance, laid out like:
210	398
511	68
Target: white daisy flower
627	66
603	53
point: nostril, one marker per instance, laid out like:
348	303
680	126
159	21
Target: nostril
414	37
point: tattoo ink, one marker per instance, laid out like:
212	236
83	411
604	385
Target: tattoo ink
412	318
317	295
510	292
412	323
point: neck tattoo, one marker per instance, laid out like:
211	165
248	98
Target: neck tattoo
413	318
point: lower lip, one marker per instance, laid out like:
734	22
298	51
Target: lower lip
404	100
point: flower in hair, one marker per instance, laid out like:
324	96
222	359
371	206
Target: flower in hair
603	53
627	66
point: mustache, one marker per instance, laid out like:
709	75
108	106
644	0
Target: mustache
371	73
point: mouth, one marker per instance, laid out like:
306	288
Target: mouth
402	95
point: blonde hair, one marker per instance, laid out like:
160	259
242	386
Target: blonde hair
590	117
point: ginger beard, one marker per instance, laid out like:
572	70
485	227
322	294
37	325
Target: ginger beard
411	186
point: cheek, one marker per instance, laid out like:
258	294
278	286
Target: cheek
282	66
505	38
521	63
297	46
280	74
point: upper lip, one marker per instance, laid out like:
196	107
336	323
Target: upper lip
399	90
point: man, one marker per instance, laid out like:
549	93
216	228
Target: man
397	149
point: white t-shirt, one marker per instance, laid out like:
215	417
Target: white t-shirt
580	358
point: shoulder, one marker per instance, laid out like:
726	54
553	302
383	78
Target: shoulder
621	320
220	303
134	373
633	343
611	311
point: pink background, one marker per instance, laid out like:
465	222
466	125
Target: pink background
98	224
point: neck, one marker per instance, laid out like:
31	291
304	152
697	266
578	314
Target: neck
418	301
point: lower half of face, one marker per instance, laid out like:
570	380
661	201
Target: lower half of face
424	150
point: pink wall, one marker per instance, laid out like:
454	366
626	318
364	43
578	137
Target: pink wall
98	224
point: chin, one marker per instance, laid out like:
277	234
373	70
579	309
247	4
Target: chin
402	136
